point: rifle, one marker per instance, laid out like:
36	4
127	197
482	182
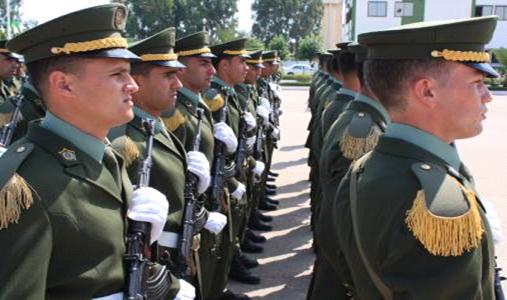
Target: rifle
9	128
190	194
140	283
218	168
242	151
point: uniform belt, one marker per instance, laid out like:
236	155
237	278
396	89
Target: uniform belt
117	296
169	239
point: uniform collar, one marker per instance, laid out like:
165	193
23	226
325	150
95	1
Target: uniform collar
224	84
159	126
426	141
194	98
85	142
346	91
375	104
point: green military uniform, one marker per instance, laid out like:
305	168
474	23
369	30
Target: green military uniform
421	227
168	171
182	122
63	235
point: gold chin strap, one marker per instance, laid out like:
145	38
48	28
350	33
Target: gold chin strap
471	56
270	59
254	61
194	51
105	43
159	57
236	52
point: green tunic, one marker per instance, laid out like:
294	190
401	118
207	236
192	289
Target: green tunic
413	266
333	110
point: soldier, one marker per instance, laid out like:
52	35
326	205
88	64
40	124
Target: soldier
409	208
8	67
352	135
63	235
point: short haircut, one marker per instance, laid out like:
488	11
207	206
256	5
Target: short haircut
216	60
39	70
389	79
360	72
333	64
141	68
347	63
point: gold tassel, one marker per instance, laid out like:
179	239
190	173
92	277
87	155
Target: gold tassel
14	196
445	236
353	148
127	148
5	118
216	103
172	123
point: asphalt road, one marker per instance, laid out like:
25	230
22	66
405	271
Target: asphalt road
287	261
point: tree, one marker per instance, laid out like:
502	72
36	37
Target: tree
309	47
147	17
15	25
292	19
281	44
254	43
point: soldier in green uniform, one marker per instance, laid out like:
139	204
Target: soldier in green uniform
407	219
156	76
63	235
352	135
231	70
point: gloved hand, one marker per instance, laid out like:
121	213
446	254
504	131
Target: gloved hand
149	205
263	112
239	191
265	102
250	121
2	150
224	133
198	164
250	143
275	133
280	112
216	222
259	168
186	292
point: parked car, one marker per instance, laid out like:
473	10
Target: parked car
299	69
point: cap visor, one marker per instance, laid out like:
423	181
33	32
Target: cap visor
485	68
257	65
205	55
245	56
168	63
115	53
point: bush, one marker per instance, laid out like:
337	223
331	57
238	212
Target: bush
298	77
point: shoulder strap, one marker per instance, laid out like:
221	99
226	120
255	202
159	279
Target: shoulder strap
383	289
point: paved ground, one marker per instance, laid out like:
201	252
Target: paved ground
287	261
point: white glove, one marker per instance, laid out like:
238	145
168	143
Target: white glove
280	112
250	142
275	133
259	168
224	133
216	222
263	112
198	164
2	150
265	102
186	292
250	121
149	205
239	191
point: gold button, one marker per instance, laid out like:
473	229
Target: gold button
361	115
425	167
21	149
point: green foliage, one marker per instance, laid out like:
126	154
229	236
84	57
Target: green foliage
309	47
147	17
293	19
501	55
298	77
16	25
281	44
254	43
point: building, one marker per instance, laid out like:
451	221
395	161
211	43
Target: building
364	15
331	24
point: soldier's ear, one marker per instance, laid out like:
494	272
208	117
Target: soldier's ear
60	83
424	90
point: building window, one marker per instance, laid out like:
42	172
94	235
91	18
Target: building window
403	9
483	10
501	12
377	8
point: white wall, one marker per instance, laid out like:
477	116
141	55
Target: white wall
500	36
366	24
448	9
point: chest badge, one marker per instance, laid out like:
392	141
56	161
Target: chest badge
67	154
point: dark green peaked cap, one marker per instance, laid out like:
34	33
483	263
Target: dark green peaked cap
5	51
335	52
195	44
462	40
343	45
255	59
359	51
158	49
231	48
271	56
91	32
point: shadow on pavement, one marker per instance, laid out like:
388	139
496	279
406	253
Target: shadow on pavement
287	164
294	187
291	148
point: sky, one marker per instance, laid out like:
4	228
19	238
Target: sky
43	11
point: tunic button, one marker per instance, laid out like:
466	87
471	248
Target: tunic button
361	115
425	167
21	149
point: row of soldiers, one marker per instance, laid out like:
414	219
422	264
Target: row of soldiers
134	171
395	214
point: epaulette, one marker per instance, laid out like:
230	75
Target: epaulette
444	216
127	148
213	99
5	118
15	194
173	122
359	137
